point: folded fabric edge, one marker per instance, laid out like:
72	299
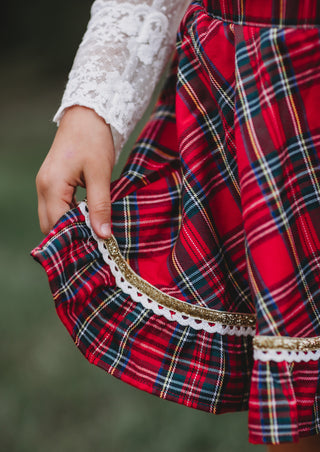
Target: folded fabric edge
265	348
173	309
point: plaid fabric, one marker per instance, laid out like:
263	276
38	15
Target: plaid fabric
265	13
218	206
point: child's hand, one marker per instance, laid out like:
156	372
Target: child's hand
82	154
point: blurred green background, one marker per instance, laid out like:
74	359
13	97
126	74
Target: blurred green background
51	398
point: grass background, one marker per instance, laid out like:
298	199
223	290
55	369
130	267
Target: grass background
51	398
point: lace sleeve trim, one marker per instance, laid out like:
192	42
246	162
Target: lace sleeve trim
120	60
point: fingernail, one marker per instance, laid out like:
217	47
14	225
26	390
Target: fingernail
105	230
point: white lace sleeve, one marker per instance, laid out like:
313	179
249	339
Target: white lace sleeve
120	60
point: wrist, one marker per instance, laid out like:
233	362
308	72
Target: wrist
76	113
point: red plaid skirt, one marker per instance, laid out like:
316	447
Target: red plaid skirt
208	292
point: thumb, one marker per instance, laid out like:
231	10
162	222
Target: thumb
98	196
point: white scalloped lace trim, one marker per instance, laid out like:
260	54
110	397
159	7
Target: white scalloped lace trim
275	349
169	314
286	348
279	355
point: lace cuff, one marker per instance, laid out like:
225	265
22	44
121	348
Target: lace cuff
120	60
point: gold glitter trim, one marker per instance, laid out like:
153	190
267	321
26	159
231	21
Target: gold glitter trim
201	313
300	344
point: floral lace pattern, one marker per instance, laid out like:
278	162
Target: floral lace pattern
120	60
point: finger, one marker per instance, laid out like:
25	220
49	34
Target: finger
43	216
53	204
98	195
56	209
50	211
